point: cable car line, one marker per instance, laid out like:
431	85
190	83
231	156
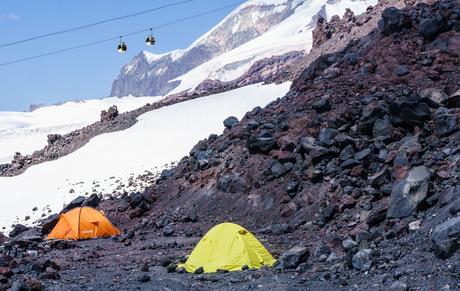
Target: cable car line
96	23
125	35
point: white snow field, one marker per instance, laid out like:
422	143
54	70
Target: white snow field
159	137
26	132
292	34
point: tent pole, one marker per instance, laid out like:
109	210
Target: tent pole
79	215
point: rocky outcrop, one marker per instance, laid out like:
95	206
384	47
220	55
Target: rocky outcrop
110	114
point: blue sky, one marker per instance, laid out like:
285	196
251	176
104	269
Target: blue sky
85	73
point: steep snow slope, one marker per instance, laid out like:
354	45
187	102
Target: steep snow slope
25	132
160	137
292	34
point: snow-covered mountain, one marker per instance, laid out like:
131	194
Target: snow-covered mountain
255	30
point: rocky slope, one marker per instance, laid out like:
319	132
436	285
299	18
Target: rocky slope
357	168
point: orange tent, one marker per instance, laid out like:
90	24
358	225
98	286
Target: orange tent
82	223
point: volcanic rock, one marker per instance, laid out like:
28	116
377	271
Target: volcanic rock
362	260
110	114
445	237
292	258
232	183
231	122
409	193
393	20
444	122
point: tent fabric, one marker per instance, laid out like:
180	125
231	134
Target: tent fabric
228	246
82	223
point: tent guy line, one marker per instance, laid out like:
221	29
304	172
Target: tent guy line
124	35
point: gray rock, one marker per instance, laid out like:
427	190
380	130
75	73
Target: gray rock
278	169
232	183
399	286
322	105
92	201
444	122
362	260
17	230
434	95
392	21
382	129
454	100
230	122
347	153
348	244
278	229
77	202
401	70
169	229
326	136
445	237
19	285
431	27
261	144
408	193
292	258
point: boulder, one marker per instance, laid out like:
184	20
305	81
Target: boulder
444	122
454	100
92	201
261	144
326	136
446	237
409	193
322	105
362	260
434	96
110	114
77	202
409	111
278	169
169	229
231	122
18	229
430	28
348	244
232	183
392	21
292	258
382	130
52	138
401	70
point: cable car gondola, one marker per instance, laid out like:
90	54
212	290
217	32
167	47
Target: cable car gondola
122	47
150	39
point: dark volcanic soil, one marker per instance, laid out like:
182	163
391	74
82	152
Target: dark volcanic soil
359	163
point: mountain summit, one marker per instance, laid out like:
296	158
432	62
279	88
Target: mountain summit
255	30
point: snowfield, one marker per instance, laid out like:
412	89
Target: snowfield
160	137
26	132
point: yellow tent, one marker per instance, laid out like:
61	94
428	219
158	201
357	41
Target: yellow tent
228	246
82	223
